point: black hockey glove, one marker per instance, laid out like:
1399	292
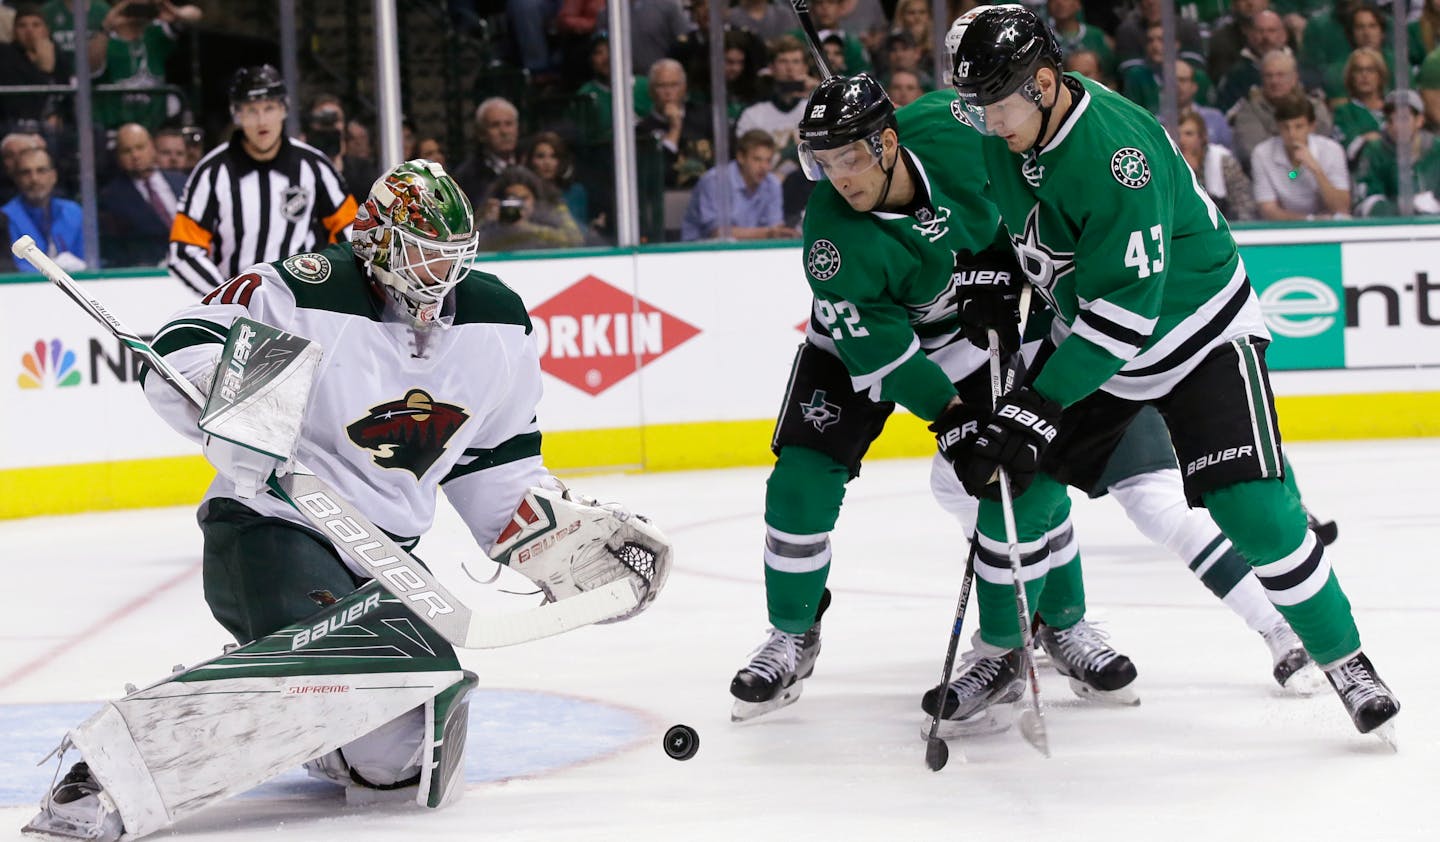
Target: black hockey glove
987	297
955	431
1014	437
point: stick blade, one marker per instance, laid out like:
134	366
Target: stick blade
937	754
1032	728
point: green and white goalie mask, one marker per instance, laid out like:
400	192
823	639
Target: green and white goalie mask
416	230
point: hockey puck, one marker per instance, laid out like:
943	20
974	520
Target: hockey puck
681	742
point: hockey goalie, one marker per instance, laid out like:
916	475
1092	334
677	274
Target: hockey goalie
378	371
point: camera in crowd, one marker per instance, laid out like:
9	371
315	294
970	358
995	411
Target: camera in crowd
510	209
323	131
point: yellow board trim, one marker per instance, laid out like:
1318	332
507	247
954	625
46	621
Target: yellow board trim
181	480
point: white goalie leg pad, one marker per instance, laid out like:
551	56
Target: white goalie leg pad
257	403
165	752
568	544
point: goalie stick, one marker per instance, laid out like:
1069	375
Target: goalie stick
359	539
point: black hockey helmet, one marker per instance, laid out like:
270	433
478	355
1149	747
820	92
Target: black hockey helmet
994	50
250	84
841	111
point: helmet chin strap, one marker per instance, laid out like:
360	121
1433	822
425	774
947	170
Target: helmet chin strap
889	177
1045	112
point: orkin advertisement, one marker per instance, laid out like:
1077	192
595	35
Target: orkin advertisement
628	342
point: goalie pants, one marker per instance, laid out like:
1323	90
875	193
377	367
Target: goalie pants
262	574
1222	420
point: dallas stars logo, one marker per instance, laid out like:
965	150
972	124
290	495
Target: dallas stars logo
1130	168
823	261
1041	264
819	412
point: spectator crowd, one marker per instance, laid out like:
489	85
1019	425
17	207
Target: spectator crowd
1288	111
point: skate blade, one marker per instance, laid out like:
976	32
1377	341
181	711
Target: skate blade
46	826
992	720
1126	696
743	711
1386	734
1305	682
1032	728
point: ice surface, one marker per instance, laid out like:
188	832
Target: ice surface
568	730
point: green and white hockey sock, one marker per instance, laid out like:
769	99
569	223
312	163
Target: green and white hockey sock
1265	521
802	503
1062	602
796	567
1037	512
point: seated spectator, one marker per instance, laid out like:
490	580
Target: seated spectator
1216	169
1076	36
11	147
684	133
903	88
522	212
54	223
33	59
826	16
1364	29
904	55
744	59
357	142
1427	82
1142	82
1087	64
756	209
833	45
1299	173
766	19
780	114
325	130
1377	181
1227	37
548	156
692	50
1327	36
1130	36
137	206
1217	128
1357	120
142	37
1264	33
60	16
591	113
865	19
1424	32
1253	118
913	16
170	151
431	149
497	128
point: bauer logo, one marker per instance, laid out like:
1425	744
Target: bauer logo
592	335
48	364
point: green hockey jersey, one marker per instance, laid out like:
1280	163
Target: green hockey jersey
882	281
1113	231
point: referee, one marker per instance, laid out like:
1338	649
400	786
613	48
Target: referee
258	197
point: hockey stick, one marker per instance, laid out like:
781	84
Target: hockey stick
937	751
1032	721
812	38
359	539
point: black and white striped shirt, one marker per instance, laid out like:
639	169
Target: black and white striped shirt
237	211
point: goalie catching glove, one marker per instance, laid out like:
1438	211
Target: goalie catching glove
568	543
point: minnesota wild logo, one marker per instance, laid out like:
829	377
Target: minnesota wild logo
409	433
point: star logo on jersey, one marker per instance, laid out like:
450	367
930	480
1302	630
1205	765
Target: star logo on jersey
1041	264
408	434
295	203
819	412
823	260
1130	168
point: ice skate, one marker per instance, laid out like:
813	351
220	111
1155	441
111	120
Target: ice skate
77	808
1096	671
1293	669
981	699
777	670
1371	704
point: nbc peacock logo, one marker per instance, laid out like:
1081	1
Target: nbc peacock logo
48	364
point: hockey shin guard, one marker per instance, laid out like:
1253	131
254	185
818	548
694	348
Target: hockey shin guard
802	503
994	588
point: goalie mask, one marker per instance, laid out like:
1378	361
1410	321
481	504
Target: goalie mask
416	231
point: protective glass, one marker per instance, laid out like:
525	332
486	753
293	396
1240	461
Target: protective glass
841	162
1005	116
430	269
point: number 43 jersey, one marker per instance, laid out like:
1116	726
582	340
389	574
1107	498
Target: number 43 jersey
883	294
1111	227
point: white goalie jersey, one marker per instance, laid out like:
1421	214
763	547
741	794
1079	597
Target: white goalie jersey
395	413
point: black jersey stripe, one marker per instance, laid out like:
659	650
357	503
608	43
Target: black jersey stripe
1207	334
1114	330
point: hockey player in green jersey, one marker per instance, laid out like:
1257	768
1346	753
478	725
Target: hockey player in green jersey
881	243
1152	307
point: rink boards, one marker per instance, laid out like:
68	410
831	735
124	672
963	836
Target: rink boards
677	358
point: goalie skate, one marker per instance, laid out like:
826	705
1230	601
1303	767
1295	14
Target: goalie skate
777	671
1096	671
77	808
1371	705
1293	669
981	699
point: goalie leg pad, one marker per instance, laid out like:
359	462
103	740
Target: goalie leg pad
164	752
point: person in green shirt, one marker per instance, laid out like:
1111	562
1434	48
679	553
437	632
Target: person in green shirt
61	17
826	16
1152	307
1075	35
1377	172
142	37
1357	119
